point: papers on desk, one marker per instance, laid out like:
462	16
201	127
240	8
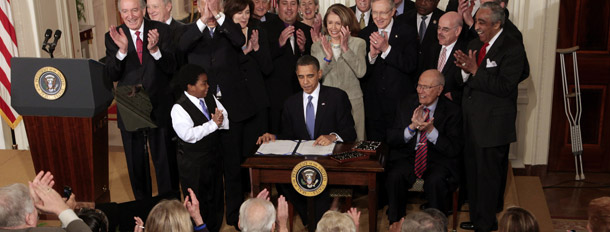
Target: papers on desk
294	147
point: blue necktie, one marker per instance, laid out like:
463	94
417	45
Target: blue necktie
205	109
211	31
310	117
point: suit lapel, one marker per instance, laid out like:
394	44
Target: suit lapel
394	33
301	115
494	48
320	112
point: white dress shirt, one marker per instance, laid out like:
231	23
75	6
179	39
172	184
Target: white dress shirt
185	127
134	38
367	16
465	75
432	136
220	21
428	16
387	30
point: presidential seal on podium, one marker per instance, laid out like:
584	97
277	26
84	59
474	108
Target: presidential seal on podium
50	83
309	178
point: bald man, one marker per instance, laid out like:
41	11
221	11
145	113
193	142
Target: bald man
425	141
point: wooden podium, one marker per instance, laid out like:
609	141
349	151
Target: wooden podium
64	105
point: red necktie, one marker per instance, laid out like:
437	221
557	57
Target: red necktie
482	53
139	46
421	155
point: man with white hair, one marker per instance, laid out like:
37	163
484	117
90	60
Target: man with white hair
19	207
258	215
161	11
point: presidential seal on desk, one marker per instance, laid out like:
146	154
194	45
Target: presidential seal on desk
309	178
50	83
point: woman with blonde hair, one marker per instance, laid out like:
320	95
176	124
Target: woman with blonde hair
517	219
342	58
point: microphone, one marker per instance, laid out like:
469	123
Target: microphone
47	36
54	44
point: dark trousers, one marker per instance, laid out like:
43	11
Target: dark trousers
322	202
238	142
486	169
163	157
202	172
439	183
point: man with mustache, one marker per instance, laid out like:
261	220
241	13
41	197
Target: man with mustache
491	72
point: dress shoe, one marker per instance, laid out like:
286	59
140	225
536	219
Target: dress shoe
467	226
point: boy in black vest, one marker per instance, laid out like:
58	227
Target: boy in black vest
199	161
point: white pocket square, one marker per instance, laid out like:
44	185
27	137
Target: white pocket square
491	64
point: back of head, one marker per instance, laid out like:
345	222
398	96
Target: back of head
599	214
169	215
333	221
95	219
421	222
517	219
15	204
438	216
256	215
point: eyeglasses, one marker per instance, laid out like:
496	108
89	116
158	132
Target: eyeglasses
426	87
381	13
445	29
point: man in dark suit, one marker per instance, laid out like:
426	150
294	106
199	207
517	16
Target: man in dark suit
441	58
138	55
317	113
161	11
425	18
491	72
214	42
289	39
261	11
433	158
392	62
362	10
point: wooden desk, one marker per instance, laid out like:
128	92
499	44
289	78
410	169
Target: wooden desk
277	170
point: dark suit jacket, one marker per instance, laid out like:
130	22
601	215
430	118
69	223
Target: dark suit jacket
271	16
490	97
152	74
393	78
409	5
448	122
282	82
358	18
332	115
257	65
430	37
453	75
219	56
176	28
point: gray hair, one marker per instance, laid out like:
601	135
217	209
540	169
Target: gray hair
497	12
15	204
336	222
391	2
421	222
256	215
142	4
437	214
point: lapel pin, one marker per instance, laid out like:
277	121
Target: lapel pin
434	22
323	103
395	36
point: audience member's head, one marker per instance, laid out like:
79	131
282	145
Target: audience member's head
308	73
333	221
489	21
287	10
437	215
599	215
169	215
421	222
449	28
517	219
94	218
239	11
17	207
159	10
425	7
430	86
193	79
338	16
382	12
260	8
132	12
363	5
256	215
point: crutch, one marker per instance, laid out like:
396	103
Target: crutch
573	119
